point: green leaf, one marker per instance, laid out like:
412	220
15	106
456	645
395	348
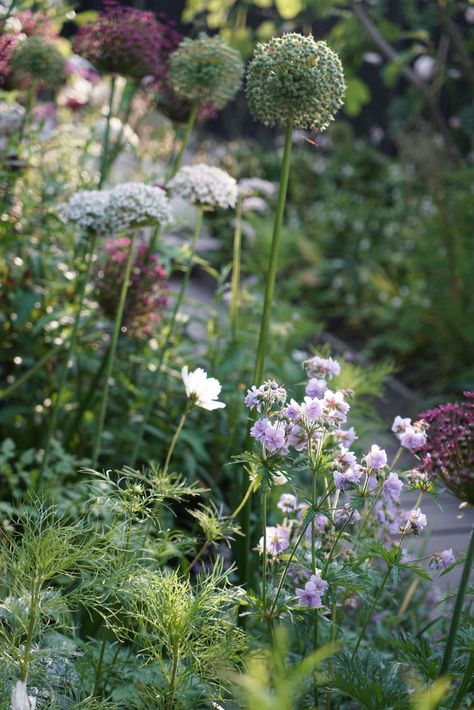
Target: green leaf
288	9
357	95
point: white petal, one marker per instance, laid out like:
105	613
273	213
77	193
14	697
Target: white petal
210	405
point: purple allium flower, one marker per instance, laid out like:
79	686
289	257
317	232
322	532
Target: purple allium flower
259	428
345	479
392	486
274	438
441	560
412	438
287	503
127	41
321	367
316	387
278	540
345	437
448	452
147	295
376	458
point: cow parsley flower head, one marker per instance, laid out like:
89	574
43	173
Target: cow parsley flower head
87	209
206	186
206	70
202	390
11	117
294	78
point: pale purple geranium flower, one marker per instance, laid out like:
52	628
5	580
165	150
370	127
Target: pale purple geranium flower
287	503
297	437
312	593
413	439
441	560
345	437
278	540
274	438
293	410
334	405
413	522
316	387
311	409
376	458
259	428
319	367
345	479
400	424
392	486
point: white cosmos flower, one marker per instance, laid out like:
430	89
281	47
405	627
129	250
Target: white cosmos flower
203	390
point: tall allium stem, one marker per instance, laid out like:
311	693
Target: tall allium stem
105	143
152	391
456	617
235	282
81	289
273	262
245	545
185	140
113	347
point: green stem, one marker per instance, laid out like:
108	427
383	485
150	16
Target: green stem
287	567
186	137
456	617
244	499
197	557
273	262
113	347
29	373
264	553
369	613
235	281
172	685
152	392
105	143
466	680
174	440
81	289
100	663
35	593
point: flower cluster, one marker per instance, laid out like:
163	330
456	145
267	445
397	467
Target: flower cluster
127	41
206	186
147	293
411	436
448	451
15	30
294	78
11	117
206	70
118	209
442	560
35	61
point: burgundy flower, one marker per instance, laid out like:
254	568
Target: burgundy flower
147	294
126	41
449	449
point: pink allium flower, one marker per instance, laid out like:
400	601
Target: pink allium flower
448	452
127	41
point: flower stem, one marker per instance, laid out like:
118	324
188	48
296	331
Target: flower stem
174	440
29	373
369	613
197	557
81	289
186	137
456	617
235	282
244	500
264	554
111	355
105	143
466	680
35	596
273	262
152	392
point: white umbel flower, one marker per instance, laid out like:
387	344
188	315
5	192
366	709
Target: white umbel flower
201	389
11	117
118	209
206	186
20	699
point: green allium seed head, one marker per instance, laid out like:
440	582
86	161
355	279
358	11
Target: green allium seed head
294	78
37	61
206	70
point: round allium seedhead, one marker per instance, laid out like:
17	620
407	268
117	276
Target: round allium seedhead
294	78
206	70
11	117
36	61
205	186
